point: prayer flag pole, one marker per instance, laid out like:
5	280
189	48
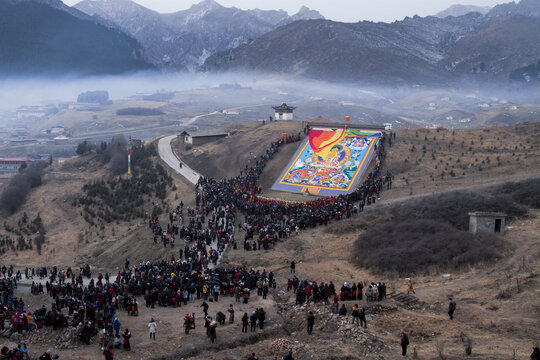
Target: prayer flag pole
129	156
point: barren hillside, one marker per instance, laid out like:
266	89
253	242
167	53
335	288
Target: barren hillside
498	301
427	160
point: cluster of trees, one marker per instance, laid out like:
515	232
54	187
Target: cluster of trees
23	231
432	232
15	193
98	96
113	153
162	97
126	199
139	111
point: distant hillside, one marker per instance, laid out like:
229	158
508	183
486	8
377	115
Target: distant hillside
414	51
185	39
523	7
36	37
497	49
459	10
404	51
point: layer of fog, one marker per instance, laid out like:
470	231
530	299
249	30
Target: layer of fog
16	92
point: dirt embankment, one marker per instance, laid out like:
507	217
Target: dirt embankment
226	157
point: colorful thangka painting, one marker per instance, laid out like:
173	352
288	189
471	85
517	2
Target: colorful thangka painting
329	162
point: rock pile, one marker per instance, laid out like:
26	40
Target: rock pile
280	345
64	339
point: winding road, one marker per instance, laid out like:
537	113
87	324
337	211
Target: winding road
167	154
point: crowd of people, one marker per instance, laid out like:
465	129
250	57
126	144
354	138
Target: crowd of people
92	309
207	231
310	291
268	220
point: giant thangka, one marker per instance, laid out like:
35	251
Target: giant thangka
329	162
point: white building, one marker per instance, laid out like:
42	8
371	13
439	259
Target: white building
283	112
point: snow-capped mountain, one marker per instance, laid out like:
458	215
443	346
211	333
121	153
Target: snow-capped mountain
185	39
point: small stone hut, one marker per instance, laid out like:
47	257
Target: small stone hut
486	222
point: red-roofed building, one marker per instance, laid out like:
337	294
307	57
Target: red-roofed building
11	165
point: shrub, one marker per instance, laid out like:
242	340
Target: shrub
84	148
118	145
14	195
526	192
413	246
118	164
453	207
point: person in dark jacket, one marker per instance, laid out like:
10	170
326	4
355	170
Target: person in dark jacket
362	316
204	305
404	344
536	353
252	357
253	321
310	322
343	310
231	314
245	321
451	308
355	313
288	356
262	317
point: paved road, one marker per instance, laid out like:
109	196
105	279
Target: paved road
166	154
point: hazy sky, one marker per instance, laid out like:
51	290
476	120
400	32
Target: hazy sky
339	10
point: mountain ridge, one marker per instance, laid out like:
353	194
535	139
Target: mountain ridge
186	38
459	10
416	49
40	37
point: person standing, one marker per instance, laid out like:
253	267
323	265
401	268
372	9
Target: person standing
410	287
404	344
262	317
362	316
116	327
253	321
355	314
108	354
451	308
204	305
245	321
127	336
293	267
310	322
152	326
212	331
231	314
